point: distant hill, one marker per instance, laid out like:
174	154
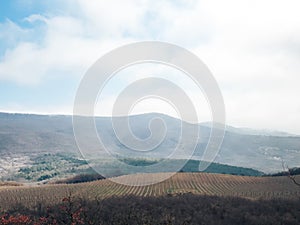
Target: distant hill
69	169
291	172
193	166
22	135
251	131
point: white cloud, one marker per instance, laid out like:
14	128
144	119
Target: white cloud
252	48
34	18
135	73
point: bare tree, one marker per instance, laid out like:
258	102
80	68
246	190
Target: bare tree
289	173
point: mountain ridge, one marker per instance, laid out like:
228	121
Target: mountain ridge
33	133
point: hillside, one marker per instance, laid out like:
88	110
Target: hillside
47	167
23	136
196	183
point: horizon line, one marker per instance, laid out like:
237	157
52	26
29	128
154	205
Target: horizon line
141	114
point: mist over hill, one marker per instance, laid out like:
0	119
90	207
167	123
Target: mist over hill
23	134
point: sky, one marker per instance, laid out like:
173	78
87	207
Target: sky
251	47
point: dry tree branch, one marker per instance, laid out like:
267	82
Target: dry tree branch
289	174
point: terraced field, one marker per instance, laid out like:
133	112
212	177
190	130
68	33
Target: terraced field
197	183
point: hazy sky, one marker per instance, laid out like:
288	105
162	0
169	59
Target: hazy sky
252	48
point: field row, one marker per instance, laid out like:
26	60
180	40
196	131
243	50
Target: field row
197	183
